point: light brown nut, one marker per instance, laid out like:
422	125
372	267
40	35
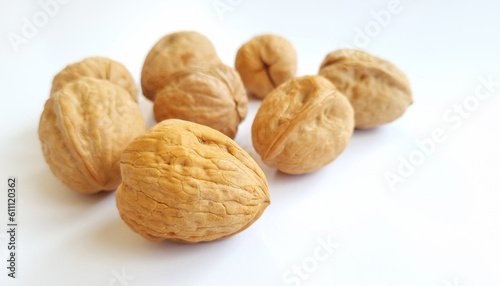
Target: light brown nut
265	62
98	68
302	125
378	91
174	52
213	96
189	183
84	128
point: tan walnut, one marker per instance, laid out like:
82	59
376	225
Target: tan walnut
302	125
84	128
378	91
213	96
265	62
186	182
98	68
174	52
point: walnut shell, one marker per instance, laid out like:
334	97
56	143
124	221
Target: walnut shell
378	91
302	125
174	52
265	62
213	96
84	128
98	68
189	183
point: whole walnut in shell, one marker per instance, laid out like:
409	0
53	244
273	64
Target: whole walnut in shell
172	53
84	128
265	62
213	96
302	125
98	68
189	183
378	91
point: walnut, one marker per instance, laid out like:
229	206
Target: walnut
172	53
265	62
302	125
186	182
378	91
98	68
84	128
213	96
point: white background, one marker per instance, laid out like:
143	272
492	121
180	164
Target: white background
439	227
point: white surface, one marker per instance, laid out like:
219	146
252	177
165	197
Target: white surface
440	227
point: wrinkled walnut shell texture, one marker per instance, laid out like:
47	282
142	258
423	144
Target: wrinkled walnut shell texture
302	125
378	91
172	53
186	182
213	96
265	62
83	130
98	68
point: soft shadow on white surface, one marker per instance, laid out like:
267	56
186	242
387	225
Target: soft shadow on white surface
50	191
367	132
115	236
